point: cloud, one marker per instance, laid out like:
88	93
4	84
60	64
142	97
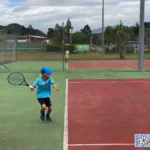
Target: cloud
43	14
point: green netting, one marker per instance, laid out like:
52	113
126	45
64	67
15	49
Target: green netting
31	46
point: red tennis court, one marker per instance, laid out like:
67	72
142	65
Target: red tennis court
106	64
104	114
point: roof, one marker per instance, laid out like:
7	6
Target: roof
36	37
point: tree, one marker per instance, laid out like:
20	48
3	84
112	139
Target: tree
147	24
68	28
55	35
124	34
86	30
9	31
31	30
30	27
50	33
110	35
79	38
135	31
24	31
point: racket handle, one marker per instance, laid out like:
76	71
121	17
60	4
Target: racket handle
30	86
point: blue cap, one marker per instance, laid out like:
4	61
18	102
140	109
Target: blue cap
46	70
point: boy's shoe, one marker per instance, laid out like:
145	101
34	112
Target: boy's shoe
48	118
42	115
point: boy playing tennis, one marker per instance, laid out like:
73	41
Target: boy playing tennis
44	91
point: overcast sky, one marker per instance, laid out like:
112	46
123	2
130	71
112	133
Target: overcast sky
43	14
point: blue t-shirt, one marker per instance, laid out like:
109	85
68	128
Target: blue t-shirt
44	87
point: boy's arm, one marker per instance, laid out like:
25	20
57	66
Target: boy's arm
54	85
34	85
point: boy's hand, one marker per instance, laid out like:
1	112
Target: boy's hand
31	87
56	89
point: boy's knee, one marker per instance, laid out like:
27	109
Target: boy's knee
43	107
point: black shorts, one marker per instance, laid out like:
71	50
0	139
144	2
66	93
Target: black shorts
46	101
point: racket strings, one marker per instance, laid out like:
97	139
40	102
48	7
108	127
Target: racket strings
16	78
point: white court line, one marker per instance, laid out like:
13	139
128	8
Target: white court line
65	143
99	82
109	144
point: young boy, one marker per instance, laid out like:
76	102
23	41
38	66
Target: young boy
44	91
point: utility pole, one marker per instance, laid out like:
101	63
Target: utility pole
141	37
63	51
103	48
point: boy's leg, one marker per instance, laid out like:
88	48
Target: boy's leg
49	110
48	117
43	108
49	105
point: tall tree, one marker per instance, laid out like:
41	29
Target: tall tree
123	34
31	30
68	28
50	33
30	27
56	34
110	35
79	38
135	30
24	31
86	30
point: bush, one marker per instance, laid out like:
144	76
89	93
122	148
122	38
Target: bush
148	51
114	49
58	48
129	50
54	48
108	51
70	48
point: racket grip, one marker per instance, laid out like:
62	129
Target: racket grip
30	86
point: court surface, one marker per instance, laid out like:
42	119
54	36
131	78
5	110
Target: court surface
106	64
104	114
21	127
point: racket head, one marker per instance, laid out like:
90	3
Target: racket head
16	79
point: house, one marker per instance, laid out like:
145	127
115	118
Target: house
31	38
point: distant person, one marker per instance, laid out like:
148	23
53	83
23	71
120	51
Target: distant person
44	91
67	55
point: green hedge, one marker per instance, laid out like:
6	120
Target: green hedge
129	50
58	48
54	48
108	51
70	48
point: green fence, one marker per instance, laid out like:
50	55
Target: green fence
31	46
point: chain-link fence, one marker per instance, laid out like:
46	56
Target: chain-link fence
7	48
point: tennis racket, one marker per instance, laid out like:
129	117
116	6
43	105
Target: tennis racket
17	79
